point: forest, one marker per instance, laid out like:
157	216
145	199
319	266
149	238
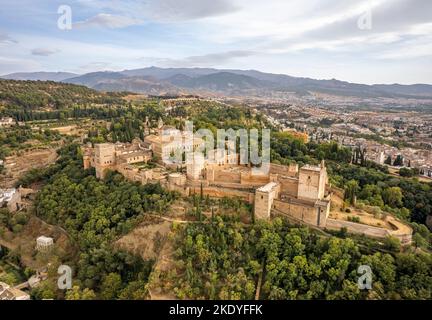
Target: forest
221	260
34	95
95	213
221	257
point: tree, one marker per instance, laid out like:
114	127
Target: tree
388	161
77	294
111	285
351	190
419	241
135	290
392	243
398	161
393	197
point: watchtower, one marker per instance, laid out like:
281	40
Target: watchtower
104	158
312	182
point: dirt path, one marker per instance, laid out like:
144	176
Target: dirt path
17	165
163	263
25	241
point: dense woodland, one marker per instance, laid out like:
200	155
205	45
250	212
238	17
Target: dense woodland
95	213
219	257
220	260
33	95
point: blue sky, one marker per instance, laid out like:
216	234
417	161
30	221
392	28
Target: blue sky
310	38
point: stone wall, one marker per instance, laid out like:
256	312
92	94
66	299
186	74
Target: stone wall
289	186
227	176
405	237
358	228
302	212
290	171
217	192
183	190
253	180
309	184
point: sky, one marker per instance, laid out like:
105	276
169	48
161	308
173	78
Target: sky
363	41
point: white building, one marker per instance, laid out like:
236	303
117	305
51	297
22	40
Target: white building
7	122
44	243
8	293
10	198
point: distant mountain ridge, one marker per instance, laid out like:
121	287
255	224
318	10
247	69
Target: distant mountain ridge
42	76
154	80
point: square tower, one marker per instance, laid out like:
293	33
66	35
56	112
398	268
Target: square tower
104	158
195	163
264	197
312	182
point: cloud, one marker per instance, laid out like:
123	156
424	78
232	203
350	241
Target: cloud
214	58
164	10
395	16
107	20
4	38
206	60
45	52
411	48
180	10
98	66
9	65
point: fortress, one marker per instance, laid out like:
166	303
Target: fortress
301	194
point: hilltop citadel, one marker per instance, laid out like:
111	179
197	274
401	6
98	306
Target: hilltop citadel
303	194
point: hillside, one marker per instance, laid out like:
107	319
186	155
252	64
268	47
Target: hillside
33	95
229	82
239	82
42	76
115	81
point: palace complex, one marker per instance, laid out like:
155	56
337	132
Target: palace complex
302	194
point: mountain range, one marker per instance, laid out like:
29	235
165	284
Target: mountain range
230	82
